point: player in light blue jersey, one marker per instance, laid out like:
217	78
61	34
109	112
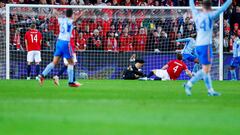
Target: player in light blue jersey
188	53
63	47
236	56
204	21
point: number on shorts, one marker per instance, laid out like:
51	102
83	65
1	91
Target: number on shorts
34	38
175	69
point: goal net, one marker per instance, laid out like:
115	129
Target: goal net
106	38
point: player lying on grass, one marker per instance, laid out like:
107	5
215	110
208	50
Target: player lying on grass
204	21
134	71
189	54
236	56
63	49
73	43
172	70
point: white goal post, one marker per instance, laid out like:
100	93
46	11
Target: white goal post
8	25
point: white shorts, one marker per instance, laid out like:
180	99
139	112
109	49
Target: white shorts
74	59
161	74
34	56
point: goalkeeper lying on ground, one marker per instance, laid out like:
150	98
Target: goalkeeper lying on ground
134	72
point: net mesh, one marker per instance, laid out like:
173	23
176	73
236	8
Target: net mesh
2	47
106	39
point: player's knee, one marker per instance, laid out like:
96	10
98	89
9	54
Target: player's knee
70	62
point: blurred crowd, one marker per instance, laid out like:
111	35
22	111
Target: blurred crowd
118	30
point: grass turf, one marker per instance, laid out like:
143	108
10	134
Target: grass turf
116	107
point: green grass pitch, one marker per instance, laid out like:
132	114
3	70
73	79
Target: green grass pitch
116	107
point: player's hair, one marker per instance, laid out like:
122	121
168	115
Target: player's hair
139	61
179	56
69	12
207	4
33	26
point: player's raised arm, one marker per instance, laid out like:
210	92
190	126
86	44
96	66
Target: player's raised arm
183	40
77	15
224	7
192	6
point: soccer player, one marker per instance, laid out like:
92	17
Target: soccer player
33	41
73	42
188	53
63	49
172	70
204	21
236	56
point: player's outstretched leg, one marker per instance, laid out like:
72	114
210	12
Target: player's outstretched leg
198	76
49	67
45	72
150	74
196	68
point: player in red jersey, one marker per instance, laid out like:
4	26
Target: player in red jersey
73	41
172	70
33	41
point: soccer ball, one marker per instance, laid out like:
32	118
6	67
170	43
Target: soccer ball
83	76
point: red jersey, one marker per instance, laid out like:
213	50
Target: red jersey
126	43
81	44
74	39
16	40
175	68
140	42
34	38
111	44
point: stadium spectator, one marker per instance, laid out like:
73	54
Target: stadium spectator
16	40
77	2
164	42
140	40
236	28
81	43
126	41
153	42
100	3
150	2
95	42
115	3
2	8
226	43
113	29
111	42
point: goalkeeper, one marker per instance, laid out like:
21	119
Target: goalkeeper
134	72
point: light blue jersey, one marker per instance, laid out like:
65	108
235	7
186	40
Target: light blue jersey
204	23
189	46
236	48
66	26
